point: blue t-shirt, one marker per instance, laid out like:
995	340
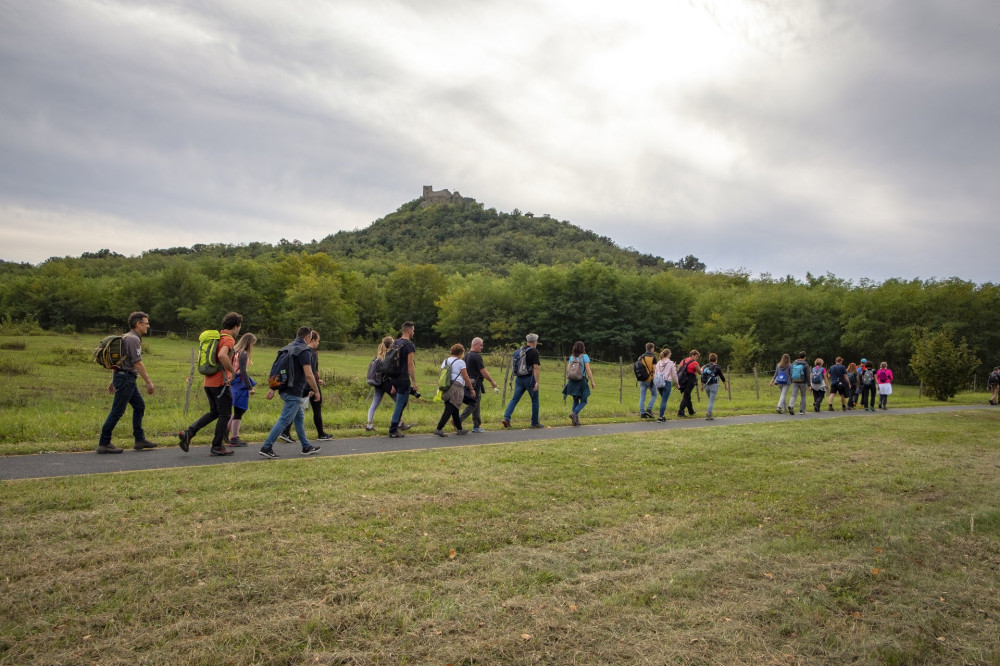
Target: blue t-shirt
838	373
583	359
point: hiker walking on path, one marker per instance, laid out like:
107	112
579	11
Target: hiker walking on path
316	404
477	372
644	374
404	375
527	365
380	383
711	377
993	383
664	379
819	382
242	387
884	380
124	389
868	387
687	379
579	381
782	378
800	380
839	384
459	385
296	359
220	399
853	385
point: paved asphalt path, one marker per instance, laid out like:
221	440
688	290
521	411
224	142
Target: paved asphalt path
70	464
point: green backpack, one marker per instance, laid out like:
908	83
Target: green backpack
208	352
444	379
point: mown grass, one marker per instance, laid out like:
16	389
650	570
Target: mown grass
54	397
777	544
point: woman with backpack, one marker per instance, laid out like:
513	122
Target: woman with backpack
664	379
457	379
994	385
579	380
242	386
867	374
711	377
782	377
819	382
853	384
883	378
385	386
687	379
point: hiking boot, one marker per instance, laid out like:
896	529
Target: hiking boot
144	444
537	425
505	423
221	451
236	442
831	408
287	439
108	448
395	434
323	437
574	418
709	418
369	427
185	440
440	433
643	415
405	426
267	452
662	419
463	431
309	450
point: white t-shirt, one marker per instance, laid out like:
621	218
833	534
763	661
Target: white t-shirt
457	365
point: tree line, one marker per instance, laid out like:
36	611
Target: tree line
615	310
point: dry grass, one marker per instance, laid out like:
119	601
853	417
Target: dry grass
789	544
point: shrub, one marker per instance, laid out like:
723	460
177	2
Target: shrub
18	345
943	366
10	366
24	327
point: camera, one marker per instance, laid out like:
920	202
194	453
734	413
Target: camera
415	394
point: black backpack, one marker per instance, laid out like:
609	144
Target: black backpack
684	376
521	367
374	377
640	368
282	373
391	362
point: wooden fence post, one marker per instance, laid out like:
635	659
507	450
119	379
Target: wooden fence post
621	379
729	390
756	382
506	375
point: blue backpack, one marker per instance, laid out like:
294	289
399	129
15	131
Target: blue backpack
799	372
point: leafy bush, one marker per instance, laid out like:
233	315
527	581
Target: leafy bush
24	327
943	366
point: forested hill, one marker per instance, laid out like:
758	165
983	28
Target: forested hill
458	233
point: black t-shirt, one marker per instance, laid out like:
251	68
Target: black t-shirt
474	366
838	373
532	357
301	386
406	349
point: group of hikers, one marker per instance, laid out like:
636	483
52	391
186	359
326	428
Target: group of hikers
294	377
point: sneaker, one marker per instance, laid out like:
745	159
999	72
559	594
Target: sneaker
286	439
440	433
395	434
369	427
709	418
648	414
505	423
780	410
575	418
405	426
267	452
185	440
537	425
237	443
309	450
221	451
662	419
324	437
479	429
144	444
791	412
463	431
108	448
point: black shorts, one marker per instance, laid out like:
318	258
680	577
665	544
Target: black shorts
840	388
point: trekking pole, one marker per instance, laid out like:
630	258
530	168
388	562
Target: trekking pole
187	395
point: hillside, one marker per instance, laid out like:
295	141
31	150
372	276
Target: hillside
457	232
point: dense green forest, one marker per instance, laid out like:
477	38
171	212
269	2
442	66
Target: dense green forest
459	270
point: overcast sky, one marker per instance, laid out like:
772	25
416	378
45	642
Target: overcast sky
856	137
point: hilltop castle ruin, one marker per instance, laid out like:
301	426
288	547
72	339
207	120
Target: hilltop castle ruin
431	196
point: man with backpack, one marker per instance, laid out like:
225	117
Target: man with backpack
477	372
527	364
868	386
292	375
215	363
688	372
993	383
800	382
123	387
643	368
399	366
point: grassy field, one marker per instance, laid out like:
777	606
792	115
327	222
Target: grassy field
54	397
798	543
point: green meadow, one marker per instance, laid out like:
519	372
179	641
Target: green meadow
802	542
54	396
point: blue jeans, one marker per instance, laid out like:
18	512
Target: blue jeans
578	404
521	385
126	393
711	390
643	387
402	397
664	396
291	412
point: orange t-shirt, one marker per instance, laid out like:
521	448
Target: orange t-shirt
226	344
